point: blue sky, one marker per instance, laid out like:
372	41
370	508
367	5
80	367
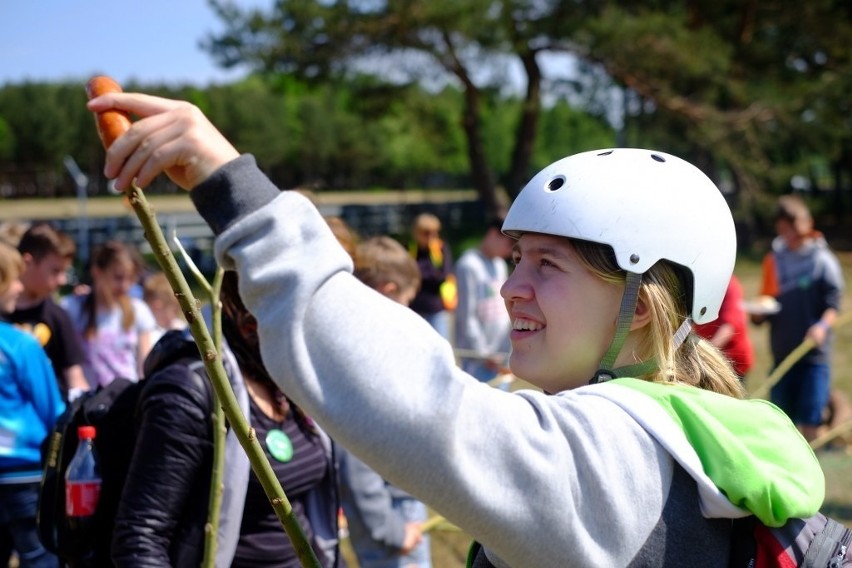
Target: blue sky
152	41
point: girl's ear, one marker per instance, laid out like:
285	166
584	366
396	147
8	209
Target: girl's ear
642	315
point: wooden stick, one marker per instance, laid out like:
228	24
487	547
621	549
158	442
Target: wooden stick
793	358
828	436
783	367
436	522
216	371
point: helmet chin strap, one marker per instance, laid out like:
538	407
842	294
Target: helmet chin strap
629	300
606	371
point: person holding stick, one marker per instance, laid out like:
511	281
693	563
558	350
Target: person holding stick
658	453
804	276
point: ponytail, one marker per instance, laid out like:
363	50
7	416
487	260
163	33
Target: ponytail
696	362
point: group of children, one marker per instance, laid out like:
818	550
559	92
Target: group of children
90	337
106	330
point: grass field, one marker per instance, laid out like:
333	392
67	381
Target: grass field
449	548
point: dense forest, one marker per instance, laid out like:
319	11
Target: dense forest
480	94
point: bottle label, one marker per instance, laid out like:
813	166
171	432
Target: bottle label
81	497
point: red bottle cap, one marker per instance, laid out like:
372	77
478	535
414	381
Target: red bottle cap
86	432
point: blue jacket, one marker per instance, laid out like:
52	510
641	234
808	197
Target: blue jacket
30	403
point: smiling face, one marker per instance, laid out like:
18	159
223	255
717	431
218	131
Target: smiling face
563	315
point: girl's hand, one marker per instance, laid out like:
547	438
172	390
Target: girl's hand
171	137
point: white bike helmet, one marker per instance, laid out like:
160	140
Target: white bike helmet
647	206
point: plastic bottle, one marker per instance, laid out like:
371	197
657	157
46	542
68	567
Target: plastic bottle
82	482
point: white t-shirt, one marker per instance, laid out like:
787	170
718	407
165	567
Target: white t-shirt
113	351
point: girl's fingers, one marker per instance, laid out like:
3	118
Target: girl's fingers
135	103
172	137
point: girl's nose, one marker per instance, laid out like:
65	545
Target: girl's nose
516	287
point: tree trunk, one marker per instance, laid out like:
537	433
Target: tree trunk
481	176
527	127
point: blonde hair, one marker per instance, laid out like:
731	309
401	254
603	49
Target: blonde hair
380	260
664	290
156	287
11	265
159	295
427	222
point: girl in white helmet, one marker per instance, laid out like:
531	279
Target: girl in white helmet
617	251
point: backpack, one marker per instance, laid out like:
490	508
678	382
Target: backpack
114	411
111	410
815	542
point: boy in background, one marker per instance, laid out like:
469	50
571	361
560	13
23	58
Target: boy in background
805	277
47	255
384	521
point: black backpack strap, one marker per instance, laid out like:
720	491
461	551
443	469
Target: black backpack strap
830	547
743	544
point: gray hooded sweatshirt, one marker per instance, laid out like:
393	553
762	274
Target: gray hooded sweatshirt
606	475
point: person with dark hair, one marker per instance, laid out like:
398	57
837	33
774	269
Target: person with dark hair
804	276
48	254
164	505
114	327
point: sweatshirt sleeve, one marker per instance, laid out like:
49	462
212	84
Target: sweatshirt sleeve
536	479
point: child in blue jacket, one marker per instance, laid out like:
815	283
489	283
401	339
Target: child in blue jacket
30	403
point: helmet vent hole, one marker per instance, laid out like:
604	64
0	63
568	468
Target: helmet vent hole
605	153
703	310
555	184
634	258
658	157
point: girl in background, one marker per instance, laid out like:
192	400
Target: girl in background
114	326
